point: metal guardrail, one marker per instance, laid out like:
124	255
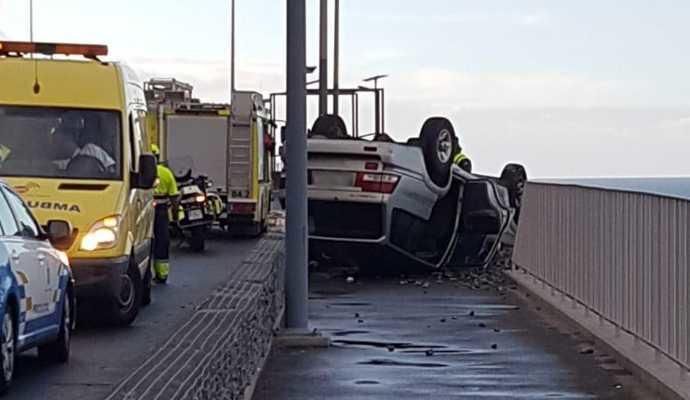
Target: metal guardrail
624	256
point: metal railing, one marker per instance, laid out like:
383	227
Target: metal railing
624	256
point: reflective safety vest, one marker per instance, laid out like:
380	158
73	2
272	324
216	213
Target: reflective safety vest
166	185
4	152
459	158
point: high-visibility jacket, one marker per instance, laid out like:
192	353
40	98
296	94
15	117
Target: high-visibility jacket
459	157
462	161
166	185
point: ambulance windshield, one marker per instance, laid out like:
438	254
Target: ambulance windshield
60	143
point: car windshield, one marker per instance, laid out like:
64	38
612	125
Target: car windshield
60	143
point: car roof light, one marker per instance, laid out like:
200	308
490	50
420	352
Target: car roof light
86	50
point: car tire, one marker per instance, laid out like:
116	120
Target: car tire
329	126
125	306
8	350
513	178
437	140
197	239
58	351
147	283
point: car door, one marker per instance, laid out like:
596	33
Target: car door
32	258
141	207
484	218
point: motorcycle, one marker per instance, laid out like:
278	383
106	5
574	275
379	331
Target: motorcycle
195	212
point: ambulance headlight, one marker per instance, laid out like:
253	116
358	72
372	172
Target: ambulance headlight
102	235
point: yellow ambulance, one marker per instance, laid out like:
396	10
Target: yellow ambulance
73	144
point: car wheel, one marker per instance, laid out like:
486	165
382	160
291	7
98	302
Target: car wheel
197	239
329	126
148	283
125	305
437	140
58	351
513	177
8	347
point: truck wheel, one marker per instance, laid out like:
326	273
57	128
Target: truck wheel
437	140
8	350
58	351
125	305
197	239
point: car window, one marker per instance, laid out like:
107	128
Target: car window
8	224
27	225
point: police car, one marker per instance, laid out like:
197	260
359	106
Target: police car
36	287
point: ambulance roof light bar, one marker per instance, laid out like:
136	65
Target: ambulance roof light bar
92	51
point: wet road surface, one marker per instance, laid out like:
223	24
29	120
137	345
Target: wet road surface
444	341
102	356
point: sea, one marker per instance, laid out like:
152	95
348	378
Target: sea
672	186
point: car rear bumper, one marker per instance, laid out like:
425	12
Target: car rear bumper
99	277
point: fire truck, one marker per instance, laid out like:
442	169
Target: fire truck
233	145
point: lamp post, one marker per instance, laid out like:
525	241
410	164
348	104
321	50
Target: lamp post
378	96
296	278
323	58
336	59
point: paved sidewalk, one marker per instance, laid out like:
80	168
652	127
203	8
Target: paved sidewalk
444	341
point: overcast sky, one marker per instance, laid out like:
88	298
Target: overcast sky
569	88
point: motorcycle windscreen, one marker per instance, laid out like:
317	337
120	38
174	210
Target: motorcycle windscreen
484	218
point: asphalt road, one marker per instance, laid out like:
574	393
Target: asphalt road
439	341
102	356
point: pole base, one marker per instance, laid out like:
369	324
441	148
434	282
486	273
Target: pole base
301	338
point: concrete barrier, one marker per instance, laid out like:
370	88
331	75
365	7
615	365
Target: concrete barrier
217	353
618	264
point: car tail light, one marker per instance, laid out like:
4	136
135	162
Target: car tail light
376	183
242	208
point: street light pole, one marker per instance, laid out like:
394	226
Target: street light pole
378	97
232	50
336	59
323	58
296	279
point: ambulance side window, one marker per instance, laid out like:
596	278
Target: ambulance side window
133	159
137	134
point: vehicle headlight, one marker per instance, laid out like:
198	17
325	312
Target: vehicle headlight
200	198
102	235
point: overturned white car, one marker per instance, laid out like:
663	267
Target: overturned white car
377	203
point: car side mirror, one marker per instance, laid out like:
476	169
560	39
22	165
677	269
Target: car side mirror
59	233
146	178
